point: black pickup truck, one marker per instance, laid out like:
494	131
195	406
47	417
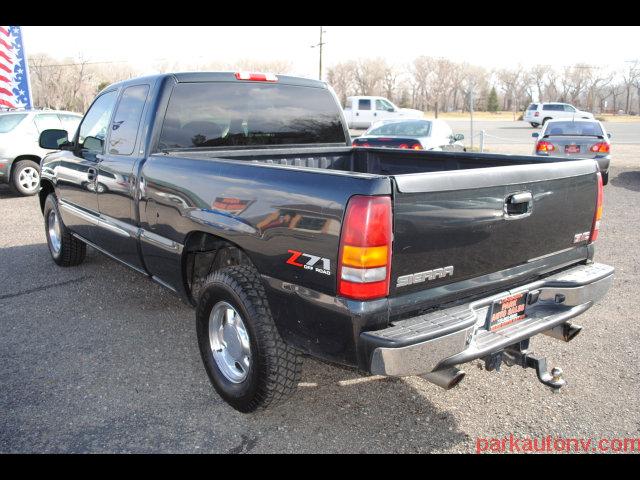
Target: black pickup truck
242	194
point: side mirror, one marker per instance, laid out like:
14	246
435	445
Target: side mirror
458	137
53	139
608	135
535	134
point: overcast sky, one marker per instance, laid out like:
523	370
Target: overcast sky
492	47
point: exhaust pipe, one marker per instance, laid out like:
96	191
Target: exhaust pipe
566	331
446	379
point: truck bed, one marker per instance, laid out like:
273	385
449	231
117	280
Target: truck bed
376	161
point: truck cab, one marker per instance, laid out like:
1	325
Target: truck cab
362	111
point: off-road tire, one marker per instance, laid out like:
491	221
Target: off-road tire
72	250
275	367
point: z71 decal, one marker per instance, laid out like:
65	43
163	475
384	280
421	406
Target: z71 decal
310	262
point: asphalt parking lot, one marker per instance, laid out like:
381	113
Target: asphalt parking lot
97	359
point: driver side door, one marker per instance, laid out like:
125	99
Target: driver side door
76	171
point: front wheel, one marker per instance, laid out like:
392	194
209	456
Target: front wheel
246	360
25	179
66	250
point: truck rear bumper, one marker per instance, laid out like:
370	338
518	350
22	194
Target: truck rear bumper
458	335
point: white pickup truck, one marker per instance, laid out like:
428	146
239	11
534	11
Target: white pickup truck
361	112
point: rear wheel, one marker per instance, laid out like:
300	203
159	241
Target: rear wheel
535	125
25	178
246	360
66	250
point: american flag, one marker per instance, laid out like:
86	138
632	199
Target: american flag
15	91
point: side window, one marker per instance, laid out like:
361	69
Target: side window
47	121
386	106
548	107
93	129
70	123
569	108
124	128
364	105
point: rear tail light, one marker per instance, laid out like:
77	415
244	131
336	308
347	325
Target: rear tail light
356	144
600	147
537	114
256	77
544	146
595	227
410	146
364	266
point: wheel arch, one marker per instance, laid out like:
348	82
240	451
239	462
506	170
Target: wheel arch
33	158
202	254
46	187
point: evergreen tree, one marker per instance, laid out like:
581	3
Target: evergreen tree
492	101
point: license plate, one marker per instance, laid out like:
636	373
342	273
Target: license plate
507	311
572	148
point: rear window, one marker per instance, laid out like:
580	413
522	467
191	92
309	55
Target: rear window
574	128
210	115
416	128
533	106
364	105
9	122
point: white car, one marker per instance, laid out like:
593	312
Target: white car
411	134
539	113
20	153
361	112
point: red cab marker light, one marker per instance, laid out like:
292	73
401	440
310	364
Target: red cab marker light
256	77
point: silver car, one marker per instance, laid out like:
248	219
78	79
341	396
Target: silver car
20	153
412	134
575	138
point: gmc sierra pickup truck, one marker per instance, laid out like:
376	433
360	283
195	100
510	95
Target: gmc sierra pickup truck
242	194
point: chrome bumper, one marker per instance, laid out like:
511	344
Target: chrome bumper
458	335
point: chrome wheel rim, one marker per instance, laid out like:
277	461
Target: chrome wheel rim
53	228
29	178
229	342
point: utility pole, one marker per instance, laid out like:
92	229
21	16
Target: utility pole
319	45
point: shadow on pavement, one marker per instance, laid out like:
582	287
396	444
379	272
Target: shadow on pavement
627	179
98	359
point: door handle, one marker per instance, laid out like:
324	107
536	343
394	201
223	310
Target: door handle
518	205
524	197
92	173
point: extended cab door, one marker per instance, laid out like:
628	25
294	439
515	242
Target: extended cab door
116	183
76	171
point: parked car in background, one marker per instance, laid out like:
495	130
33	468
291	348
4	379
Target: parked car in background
20	153
361	112
413	134
578	139
540	113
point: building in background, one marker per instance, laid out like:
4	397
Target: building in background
15	89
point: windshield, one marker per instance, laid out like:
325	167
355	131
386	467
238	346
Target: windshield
592	129
414	128
234	114
9	122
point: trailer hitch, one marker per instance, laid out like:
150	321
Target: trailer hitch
517	356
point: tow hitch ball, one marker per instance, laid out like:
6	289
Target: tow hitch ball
518	355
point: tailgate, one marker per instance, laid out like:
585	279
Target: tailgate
480	222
